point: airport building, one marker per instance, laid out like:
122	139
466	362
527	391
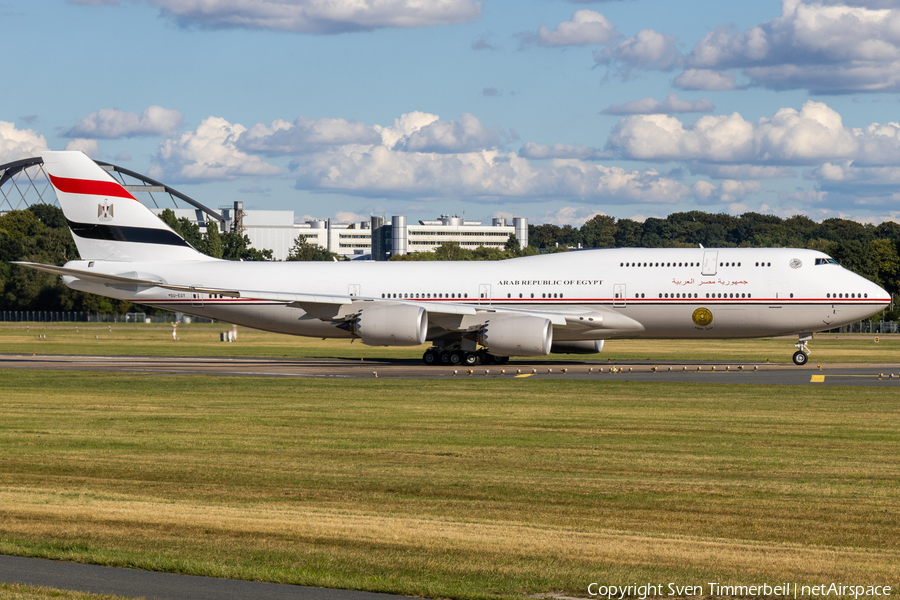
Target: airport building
376	239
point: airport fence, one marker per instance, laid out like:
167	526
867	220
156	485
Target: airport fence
72	316
869	327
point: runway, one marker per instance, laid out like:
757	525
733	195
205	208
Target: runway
887	375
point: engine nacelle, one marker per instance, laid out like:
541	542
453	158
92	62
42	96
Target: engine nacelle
391	325
577	347
517	336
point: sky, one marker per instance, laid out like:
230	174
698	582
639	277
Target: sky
554	110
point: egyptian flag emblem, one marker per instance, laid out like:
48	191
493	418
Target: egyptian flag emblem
105	212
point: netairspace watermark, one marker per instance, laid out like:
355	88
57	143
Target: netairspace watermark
641	591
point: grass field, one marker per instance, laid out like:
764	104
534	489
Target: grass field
461	489
27	592
203	340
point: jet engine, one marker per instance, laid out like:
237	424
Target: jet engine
577	347
517	336
391	325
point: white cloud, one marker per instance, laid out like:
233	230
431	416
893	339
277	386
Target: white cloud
420	156
826	47
737	208
412	132
465	135
305	135
538	151
718	171
859	182
89	147
344	216
16	144
705	80
208	153
804	197
570	215
111	123
404	126
319	16
811	135
485	41
379	171
647	50
729	191
587	27
649	106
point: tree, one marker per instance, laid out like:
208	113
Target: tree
191	233
450	251
512	244
212	244
599	232
628	233
49	215
543	236
302	250
887	263
237	247
168	217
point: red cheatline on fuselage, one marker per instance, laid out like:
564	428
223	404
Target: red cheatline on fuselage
90	186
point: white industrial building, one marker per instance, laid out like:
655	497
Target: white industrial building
275	230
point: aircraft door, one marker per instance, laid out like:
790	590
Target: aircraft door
619	295
710	261
353	289
196	299
484	293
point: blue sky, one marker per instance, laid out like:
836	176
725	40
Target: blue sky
550	109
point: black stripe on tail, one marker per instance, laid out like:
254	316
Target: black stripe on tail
114	233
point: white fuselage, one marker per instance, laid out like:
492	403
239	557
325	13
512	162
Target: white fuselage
671	293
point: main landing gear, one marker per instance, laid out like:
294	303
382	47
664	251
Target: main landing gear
801	356
439	356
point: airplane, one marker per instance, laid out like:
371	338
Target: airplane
471	312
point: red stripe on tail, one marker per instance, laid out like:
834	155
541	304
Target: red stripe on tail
90	186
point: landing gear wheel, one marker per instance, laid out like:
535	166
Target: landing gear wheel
444	358
485	359
431	357
455	358
470	359
800	358
501	360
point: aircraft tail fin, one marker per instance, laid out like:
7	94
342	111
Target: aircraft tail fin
107	222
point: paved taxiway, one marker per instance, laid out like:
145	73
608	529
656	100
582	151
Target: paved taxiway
699	372
132	583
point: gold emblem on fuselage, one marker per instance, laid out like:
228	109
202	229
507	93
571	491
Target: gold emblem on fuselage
702	317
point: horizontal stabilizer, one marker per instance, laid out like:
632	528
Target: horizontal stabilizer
121	281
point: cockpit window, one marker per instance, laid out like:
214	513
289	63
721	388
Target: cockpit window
826	261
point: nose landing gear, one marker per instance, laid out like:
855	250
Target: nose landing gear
801	356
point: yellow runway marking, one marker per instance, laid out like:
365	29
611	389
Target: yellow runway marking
817	379
525	375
